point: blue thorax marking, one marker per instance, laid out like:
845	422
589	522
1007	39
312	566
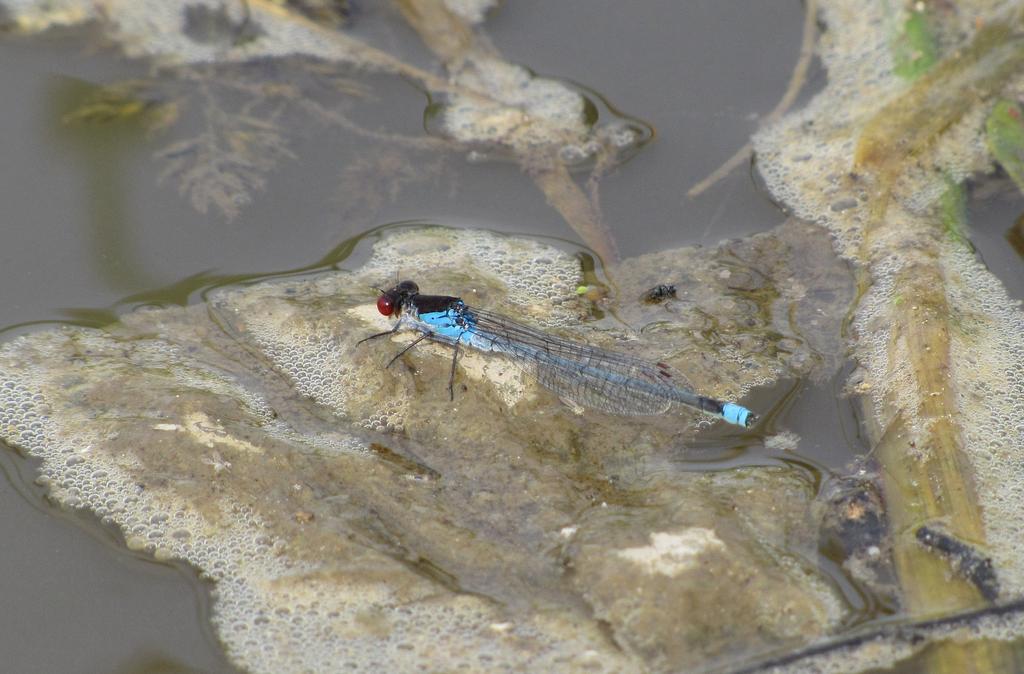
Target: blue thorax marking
452	324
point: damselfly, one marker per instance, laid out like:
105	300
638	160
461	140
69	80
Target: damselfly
585	375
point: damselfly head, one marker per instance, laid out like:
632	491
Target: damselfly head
392	301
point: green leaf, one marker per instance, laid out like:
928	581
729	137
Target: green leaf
1004	131
913	47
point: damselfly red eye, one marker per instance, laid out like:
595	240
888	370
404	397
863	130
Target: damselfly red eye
385	305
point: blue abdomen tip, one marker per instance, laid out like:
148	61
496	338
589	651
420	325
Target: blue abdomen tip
736	414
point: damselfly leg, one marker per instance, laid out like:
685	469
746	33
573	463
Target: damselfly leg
451	375
380	334
416	341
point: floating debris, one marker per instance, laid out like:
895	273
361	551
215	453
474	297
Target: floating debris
964	559
659	293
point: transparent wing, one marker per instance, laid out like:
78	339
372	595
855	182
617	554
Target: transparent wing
590	377
598	393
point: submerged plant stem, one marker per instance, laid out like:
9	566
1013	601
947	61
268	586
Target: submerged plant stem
796	83
566	197
362	53
455	43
